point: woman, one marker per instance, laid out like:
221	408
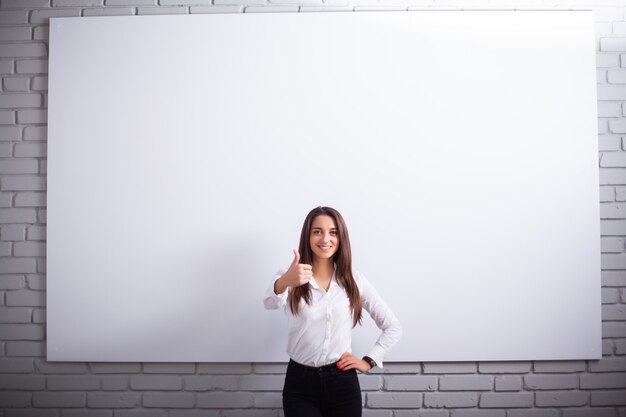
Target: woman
324	299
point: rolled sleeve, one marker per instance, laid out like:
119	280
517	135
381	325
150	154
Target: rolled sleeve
273	301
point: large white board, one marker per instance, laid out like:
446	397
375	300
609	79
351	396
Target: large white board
185	151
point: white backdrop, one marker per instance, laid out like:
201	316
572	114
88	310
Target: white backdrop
185	151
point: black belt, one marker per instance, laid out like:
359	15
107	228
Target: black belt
313	368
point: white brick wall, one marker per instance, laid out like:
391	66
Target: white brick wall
32	387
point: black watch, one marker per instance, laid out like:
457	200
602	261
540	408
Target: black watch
370	361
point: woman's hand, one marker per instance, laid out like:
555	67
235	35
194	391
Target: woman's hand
298	274
349	361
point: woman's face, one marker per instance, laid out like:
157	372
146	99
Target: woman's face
324	238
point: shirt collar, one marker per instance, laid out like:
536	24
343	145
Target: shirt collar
333	280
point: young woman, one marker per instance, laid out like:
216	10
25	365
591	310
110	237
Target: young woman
324	300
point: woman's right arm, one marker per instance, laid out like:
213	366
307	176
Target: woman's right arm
274	300
297	274
280	286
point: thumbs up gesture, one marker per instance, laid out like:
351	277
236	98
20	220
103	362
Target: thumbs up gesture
298	274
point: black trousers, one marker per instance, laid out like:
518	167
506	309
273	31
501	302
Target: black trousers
326	391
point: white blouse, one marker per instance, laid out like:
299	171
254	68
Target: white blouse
322	331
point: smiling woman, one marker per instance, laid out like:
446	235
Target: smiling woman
325	300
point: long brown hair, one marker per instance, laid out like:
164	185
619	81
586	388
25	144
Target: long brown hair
342	258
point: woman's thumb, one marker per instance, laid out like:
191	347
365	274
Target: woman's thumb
296	257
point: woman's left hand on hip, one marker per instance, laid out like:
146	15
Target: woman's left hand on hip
349	361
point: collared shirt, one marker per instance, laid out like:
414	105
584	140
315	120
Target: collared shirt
322	331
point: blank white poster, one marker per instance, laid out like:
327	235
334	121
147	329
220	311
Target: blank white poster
185	151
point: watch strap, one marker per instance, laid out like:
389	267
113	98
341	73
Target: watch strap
370	361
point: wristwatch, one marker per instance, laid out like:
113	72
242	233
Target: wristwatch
370	361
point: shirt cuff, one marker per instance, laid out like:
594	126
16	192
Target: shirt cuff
377	353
